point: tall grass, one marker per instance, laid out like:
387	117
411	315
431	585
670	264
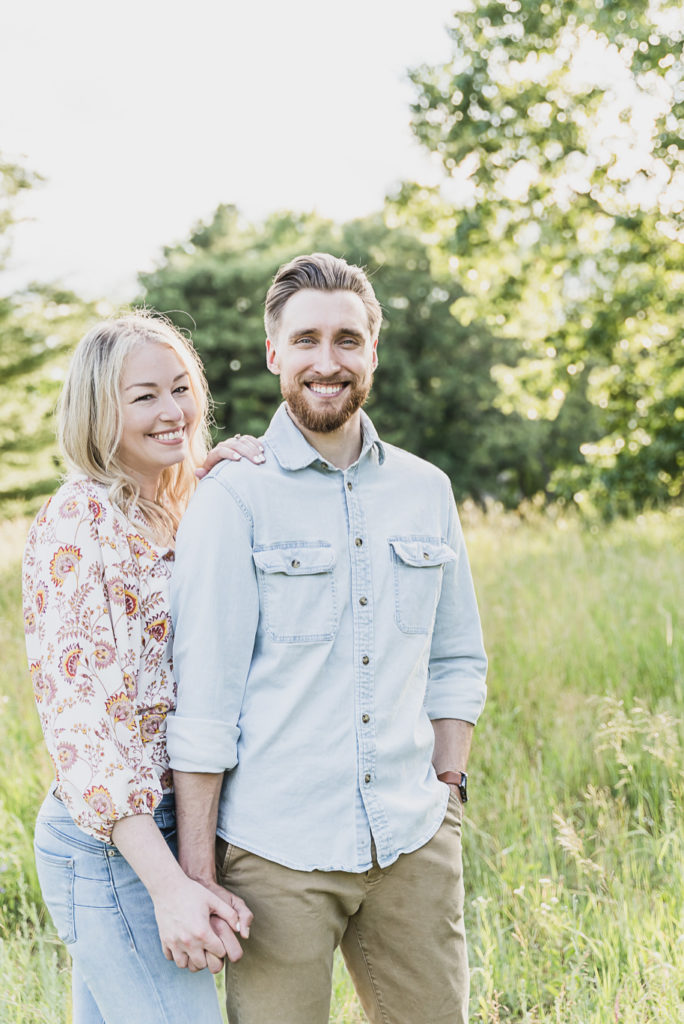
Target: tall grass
573	846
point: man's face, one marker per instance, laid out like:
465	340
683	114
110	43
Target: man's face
325	357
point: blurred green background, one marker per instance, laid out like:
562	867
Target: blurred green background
533	349
533	301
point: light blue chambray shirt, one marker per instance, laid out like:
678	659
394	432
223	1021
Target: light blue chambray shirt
322	618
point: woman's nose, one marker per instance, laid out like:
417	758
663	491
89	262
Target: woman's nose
171	410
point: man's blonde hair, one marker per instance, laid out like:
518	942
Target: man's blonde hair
324	272
89	415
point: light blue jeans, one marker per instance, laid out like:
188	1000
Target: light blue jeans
104	914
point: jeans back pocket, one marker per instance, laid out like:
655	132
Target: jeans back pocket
56	877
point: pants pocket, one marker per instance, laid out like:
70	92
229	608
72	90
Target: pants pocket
454	811
224	856
56	877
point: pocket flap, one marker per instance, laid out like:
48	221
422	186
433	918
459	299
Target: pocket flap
296	559
421	552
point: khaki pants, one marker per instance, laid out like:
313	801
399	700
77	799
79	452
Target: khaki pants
400	929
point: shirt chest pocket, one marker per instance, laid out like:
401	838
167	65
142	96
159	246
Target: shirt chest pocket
297	590
417	567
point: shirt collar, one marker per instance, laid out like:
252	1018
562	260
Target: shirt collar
293	451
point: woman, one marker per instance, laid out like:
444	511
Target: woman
133	431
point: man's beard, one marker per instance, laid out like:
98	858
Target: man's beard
325	421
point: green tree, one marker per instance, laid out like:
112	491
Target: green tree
559	127
14	179
433	392
38	328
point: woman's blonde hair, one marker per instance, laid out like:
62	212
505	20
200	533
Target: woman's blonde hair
89	416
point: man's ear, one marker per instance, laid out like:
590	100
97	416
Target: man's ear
272	357
375	355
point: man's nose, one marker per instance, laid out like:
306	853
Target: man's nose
327	362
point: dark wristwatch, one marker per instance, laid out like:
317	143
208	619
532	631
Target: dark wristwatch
458	779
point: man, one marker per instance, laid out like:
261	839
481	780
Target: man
330	663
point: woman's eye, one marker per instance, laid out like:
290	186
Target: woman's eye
181	389
142	398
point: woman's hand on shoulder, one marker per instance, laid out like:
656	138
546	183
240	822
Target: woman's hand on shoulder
234	448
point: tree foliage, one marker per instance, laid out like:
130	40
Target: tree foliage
559	126
14	179
38	328
433	392
533	302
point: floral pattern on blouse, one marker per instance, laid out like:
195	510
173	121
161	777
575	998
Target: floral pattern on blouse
98	639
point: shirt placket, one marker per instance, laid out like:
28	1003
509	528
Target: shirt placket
364	666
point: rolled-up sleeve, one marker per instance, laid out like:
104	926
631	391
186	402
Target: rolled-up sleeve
215	609
458	663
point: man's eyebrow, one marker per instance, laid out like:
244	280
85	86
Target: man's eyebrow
303	333
154	383
349	332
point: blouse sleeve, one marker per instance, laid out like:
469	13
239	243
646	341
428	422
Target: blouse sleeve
82	623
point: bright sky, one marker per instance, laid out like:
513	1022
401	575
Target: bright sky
144	115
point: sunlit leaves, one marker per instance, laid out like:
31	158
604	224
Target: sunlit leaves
559	126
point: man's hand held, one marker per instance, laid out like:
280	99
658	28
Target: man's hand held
197	798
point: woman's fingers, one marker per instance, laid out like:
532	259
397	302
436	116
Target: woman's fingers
232	909
231	946
230	917
214	963
234	448
245	915
200	951
197	943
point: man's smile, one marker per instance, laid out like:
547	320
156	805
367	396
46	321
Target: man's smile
327	389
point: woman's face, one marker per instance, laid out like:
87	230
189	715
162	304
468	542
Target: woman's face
159	413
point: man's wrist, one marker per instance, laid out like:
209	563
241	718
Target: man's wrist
199	871
458	779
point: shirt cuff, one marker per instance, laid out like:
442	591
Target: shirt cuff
466	709
201	744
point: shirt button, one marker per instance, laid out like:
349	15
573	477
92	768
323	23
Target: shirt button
324	465
367	778
365	659
365	719
295	564
363	601
349	485
425	554
358	542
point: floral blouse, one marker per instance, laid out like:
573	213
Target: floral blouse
98	639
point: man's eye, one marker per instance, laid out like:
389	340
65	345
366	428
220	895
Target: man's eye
304	341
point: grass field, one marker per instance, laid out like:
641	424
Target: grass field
574	845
